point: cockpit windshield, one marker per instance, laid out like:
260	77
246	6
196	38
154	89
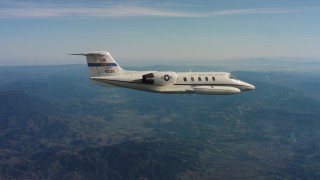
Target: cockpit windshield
231	76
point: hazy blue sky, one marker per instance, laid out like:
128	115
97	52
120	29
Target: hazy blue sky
43	32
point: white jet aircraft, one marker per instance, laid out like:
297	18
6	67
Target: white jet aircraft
104	69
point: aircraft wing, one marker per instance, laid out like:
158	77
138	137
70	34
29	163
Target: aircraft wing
214	90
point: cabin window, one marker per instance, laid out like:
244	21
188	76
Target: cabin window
192	79
213	78
185	79
206	78
199	78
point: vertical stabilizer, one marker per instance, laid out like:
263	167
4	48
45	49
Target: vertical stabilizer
101	63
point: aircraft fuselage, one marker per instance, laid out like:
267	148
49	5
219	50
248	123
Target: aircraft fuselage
104	69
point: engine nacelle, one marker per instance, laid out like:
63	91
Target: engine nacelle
160	78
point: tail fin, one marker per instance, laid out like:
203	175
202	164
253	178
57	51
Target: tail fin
101	63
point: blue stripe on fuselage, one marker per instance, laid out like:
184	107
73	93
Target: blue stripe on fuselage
101	64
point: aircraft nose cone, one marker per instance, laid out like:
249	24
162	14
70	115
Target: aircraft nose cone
248	87
252	87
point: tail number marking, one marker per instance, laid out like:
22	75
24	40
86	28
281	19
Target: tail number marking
109	71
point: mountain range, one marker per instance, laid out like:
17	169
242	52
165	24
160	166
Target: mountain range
55	124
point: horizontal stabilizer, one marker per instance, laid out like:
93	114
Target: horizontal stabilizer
92	53
77	54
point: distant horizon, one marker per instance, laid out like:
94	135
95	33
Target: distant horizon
152	62
250	64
